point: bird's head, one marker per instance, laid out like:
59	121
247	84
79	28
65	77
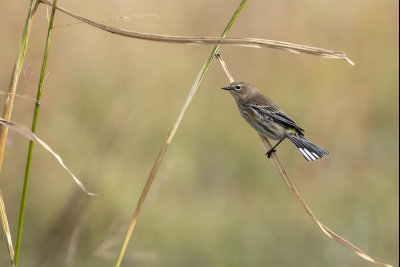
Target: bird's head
241	90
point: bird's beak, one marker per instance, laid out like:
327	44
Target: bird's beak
227	88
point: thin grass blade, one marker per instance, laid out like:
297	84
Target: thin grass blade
170	136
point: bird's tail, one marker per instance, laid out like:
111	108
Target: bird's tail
307	149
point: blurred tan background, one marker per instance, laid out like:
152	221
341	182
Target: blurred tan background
109	102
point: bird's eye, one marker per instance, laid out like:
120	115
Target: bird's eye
238	87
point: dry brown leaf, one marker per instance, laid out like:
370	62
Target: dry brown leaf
26	132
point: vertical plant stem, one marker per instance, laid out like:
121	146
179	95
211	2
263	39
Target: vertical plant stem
34	123
8	105
15	76
170	137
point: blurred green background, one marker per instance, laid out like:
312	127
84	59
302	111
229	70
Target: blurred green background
109	102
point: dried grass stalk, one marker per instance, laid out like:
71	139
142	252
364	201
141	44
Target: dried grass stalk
249	42
6	229
278	165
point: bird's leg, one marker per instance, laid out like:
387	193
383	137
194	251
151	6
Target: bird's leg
273	149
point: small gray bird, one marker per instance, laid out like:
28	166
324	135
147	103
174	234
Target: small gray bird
270	121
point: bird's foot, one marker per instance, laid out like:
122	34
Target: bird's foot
270	152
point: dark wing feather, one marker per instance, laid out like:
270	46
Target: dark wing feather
273	112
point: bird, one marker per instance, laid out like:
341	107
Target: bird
270	121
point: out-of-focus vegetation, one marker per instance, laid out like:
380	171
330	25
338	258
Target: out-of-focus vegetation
109	102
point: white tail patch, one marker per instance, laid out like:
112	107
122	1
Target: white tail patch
304	154
310	151
310	154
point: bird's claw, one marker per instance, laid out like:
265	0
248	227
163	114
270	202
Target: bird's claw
270	152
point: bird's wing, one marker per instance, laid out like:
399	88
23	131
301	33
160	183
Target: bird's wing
275	113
